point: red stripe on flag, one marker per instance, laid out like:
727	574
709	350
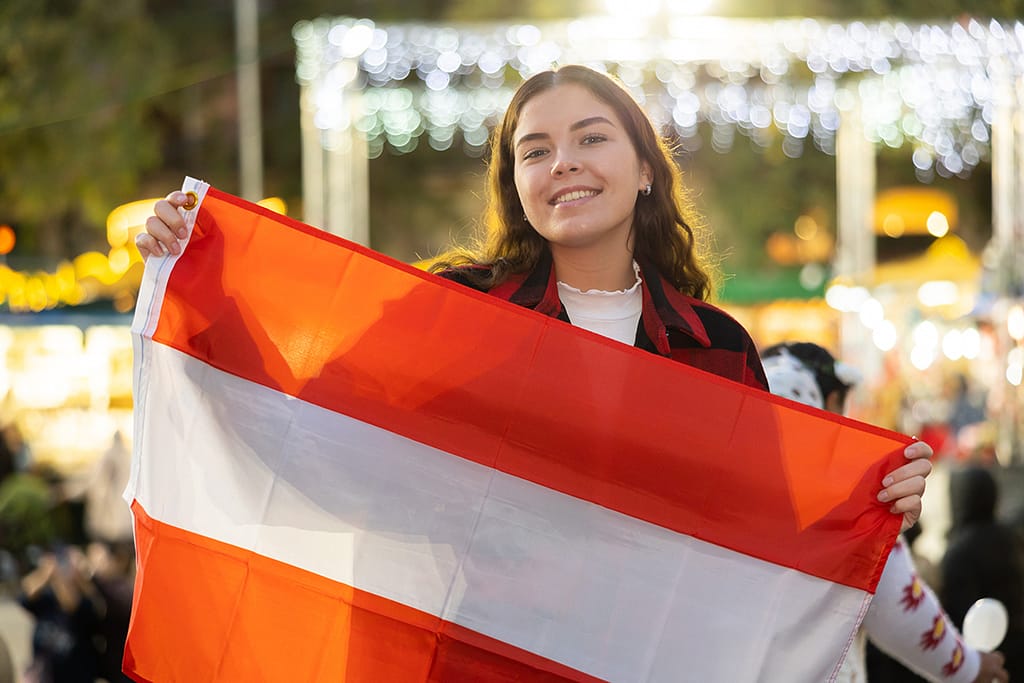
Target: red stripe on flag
241	616
284	305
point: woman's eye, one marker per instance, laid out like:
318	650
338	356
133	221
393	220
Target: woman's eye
592	138
533	154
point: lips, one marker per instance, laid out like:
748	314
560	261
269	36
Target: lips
573	195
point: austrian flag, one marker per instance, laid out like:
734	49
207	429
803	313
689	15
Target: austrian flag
347	469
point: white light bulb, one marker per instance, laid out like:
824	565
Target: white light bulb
985	624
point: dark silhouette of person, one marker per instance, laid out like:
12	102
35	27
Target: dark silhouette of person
984	559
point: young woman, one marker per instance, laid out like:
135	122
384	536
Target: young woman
586	222
905	618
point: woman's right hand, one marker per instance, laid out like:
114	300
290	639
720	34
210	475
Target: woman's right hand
164	228
992	670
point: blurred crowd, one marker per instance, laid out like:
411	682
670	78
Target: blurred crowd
66	567
984	558
67	556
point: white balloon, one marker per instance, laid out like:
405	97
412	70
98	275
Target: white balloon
985	624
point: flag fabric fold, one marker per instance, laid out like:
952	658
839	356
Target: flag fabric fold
346	469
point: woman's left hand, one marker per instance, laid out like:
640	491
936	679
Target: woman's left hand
904	486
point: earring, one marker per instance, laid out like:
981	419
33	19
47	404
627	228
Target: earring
647	190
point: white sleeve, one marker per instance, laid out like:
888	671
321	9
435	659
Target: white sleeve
906	621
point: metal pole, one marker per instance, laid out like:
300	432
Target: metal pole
313	173
1004	205
250	134
855	243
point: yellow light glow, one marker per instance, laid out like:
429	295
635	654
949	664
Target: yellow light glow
953	345
805	227
913	205
52	286
91	264
845	298
971	340
631	8
938	224
926	335
1015	366
938	293
60	340
119	260
275	204
66	279
688	6
650	8
922	358
35	294
1015	322
871	313
885	336
16	297
124	222
893	225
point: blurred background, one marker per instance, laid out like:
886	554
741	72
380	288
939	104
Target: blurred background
860	164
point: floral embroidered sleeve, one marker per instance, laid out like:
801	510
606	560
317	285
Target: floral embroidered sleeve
906	621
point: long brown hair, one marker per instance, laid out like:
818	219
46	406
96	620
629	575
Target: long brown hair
663	225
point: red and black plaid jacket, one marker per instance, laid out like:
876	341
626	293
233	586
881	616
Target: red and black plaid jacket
672	324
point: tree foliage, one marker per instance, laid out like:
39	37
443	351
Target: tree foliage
75	83
104	101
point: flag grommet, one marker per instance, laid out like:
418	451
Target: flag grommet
191	200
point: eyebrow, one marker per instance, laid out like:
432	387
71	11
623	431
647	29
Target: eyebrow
583	123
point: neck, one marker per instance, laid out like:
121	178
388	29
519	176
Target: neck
584	270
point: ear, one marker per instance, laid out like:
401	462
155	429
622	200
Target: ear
646	175
834	404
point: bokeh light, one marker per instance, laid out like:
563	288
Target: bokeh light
930	86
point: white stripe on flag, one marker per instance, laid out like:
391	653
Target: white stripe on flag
599	591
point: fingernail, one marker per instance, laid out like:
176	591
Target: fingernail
175	248
883	496
887	481
182	233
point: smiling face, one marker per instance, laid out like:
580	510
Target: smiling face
577	172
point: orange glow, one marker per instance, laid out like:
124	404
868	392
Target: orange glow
7	239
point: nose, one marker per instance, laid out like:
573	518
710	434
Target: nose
563	165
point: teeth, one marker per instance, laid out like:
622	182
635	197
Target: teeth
573	196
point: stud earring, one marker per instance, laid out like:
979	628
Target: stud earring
647	190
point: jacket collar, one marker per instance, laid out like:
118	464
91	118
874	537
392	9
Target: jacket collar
664	307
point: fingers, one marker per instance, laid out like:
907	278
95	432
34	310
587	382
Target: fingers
913	469
918	449
161	239
148	246
914	486
167	211
905	485
164	228
991	670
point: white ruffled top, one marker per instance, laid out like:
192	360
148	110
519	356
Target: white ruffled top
611	314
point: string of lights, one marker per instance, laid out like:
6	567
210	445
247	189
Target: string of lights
933	87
